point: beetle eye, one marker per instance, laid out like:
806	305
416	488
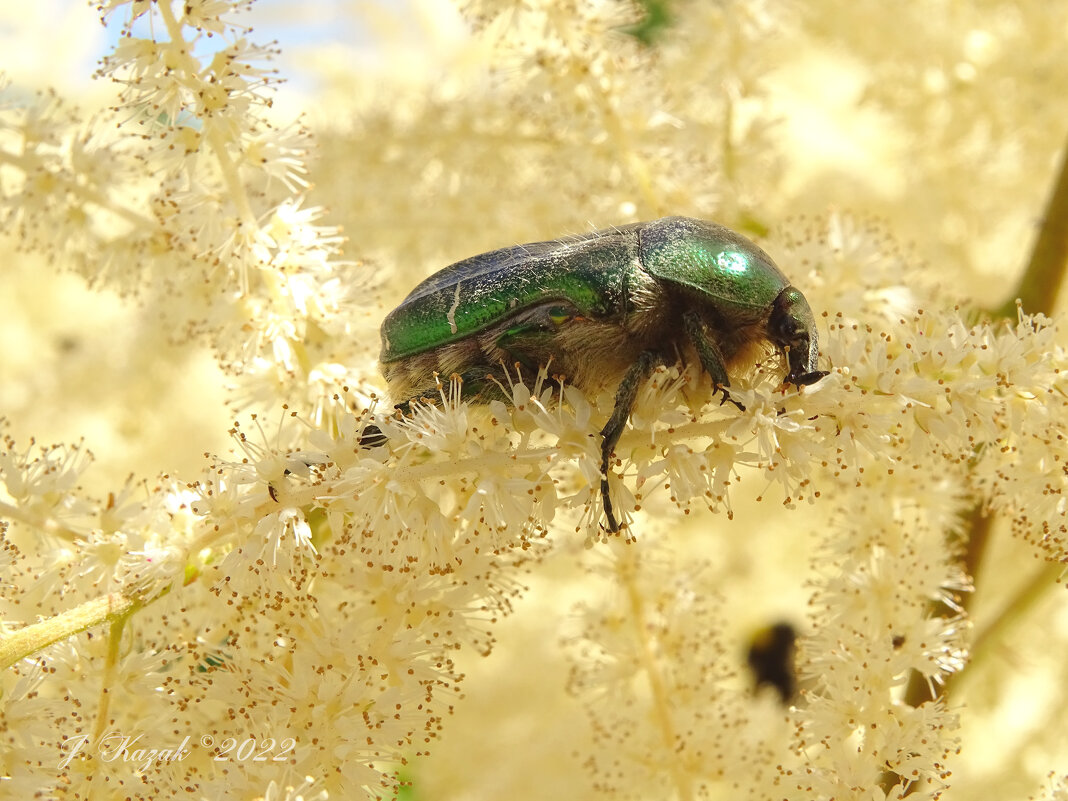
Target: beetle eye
783	327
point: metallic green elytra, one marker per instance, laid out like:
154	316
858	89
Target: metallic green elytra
604	309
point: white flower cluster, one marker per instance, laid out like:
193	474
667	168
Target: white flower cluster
317	592
558	91
914	428
199	207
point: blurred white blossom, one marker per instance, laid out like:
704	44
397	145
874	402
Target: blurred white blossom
331	605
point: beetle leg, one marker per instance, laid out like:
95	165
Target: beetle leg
807	378
613	429
709	354
533	334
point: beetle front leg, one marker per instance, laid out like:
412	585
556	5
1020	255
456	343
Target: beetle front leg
709	354
613	429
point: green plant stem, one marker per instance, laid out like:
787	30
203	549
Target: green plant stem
107	609
1042	280
1022	602
1037	293
110	667
919	690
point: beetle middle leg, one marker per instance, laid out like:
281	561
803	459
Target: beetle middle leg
613	429
709	354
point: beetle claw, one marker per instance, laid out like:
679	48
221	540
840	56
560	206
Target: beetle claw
805	379
728	399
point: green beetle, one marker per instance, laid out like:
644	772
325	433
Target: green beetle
605	309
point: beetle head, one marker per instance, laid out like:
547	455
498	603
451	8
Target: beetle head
792	327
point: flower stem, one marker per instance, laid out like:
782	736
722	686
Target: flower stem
30	164
43	523
22	642
1026	598
111	666
627	569
1041	281
1037	293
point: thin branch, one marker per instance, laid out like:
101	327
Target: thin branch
1037	293
21	642
1042	280
1022	602
62	182
626	570
44	523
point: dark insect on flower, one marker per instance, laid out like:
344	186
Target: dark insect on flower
771	659
604	309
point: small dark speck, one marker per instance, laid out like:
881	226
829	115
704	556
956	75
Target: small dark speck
67	343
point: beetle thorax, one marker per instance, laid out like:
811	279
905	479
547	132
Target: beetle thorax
739	333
